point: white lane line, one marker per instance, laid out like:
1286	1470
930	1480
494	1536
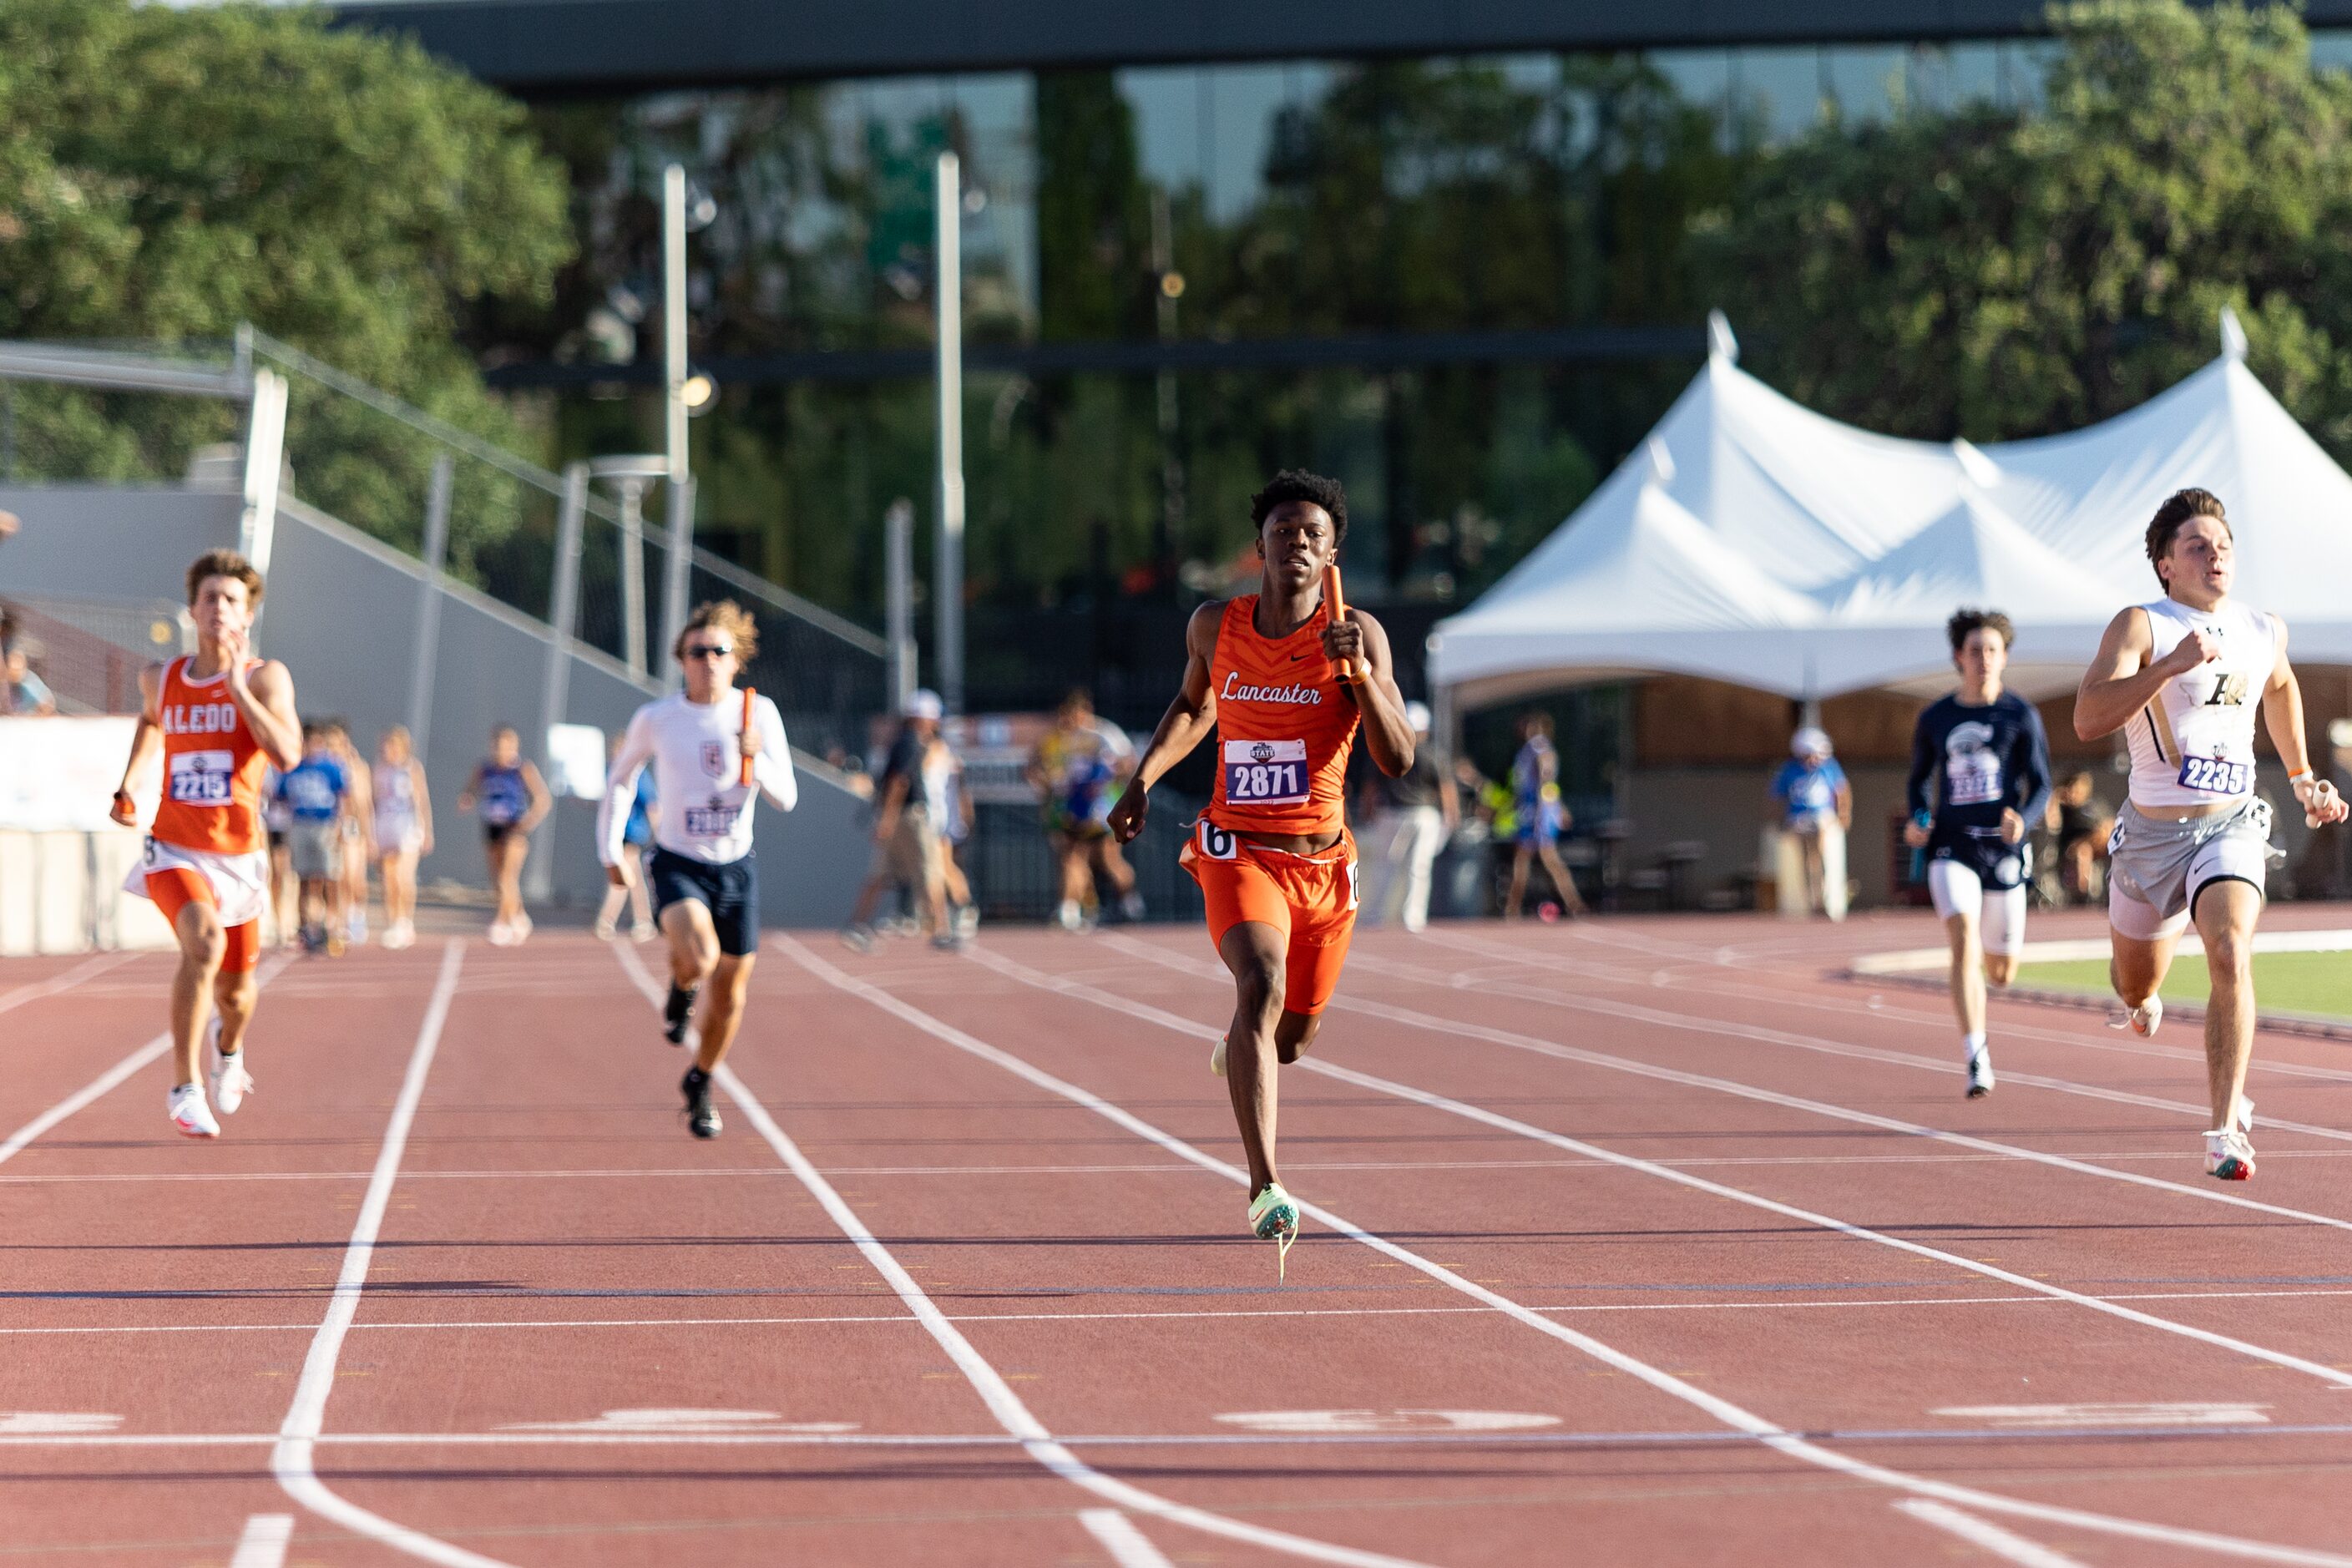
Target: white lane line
1768	1434
293	1459
2007	1545
1129	1547
1546	997
2335	1377
15	1143
264	1542
36	990
1411	1019
996	1393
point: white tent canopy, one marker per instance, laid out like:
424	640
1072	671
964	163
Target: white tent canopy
1754	542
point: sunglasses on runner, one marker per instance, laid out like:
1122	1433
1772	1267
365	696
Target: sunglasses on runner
708	649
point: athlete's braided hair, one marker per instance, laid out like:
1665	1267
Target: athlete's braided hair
2178	508
1299	485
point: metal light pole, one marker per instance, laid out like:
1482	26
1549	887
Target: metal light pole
946	573
675	576
899	600
629	478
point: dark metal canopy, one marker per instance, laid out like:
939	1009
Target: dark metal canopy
552	46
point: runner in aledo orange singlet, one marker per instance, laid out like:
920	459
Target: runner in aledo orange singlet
219	720
1271	853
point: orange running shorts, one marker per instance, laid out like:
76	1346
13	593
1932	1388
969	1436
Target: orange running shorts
1310	899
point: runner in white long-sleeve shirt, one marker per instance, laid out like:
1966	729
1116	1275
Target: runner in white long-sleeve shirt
701	870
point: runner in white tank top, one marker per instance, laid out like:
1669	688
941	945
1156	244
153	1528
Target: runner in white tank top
2181	678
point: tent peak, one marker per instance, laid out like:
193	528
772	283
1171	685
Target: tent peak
2233	335
1721	343
1975	469
1661	462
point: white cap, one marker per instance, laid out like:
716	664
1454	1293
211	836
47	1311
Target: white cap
1417	715
1809	741
926	704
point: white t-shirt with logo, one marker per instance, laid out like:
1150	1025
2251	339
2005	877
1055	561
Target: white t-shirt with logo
2193	744
704	810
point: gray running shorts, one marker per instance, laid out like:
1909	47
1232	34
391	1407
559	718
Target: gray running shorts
2156	868
315	849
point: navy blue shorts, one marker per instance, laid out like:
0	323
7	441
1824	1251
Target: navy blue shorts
729	891
1997	865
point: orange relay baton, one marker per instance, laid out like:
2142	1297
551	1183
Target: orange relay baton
749	694
1350	670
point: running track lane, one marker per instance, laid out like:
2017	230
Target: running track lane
1871	1353
109	1220
917	1142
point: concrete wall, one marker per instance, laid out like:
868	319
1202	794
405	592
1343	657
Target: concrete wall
343	611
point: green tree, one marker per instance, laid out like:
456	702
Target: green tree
166	173
1994	273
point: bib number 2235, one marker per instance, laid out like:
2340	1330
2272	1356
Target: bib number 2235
2216	775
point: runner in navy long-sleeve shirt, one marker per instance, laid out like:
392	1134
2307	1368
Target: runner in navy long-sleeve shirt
1979	776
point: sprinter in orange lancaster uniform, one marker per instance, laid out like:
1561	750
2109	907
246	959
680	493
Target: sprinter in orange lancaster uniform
220	717
1271	853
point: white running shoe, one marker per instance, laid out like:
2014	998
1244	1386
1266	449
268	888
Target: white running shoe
190	1115
605	930
521	928
1980	1075
1217	1059
2245	1117
231	1083
643	931
2229	1156
355	928
1068	917
401	933
2146	1018
502	934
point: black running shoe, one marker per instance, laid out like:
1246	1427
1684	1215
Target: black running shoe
678	1013
701	1120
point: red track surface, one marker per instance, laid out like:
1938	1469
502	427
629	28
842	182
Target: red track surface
1718	1231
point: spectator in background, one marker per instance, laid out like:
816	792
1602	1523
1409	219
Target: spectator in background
314	791
1078	770
2080	821
359	809
943	783
1816	809
512	799
402	831
1410	818
905	834
285	886
636	838
25	694
1538	817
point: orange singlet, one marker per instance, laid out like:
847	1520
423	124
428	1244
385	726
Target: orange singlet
1284	727
213	766
204	845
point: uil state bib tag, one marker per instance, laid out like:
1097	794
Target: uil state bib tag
1266	773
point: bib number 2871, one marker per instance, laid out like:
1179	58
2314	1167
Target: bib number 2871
1266	773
